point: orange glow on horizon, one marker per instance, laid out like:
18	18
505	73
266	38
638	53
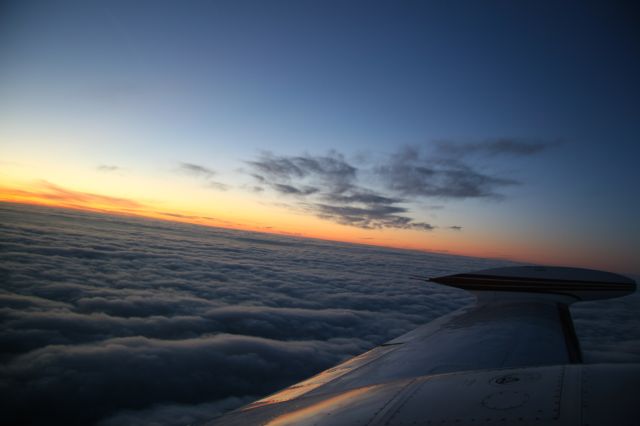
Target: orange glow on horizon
47	194
266	220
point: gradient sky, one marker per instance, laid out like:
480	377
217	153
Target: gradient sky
524	115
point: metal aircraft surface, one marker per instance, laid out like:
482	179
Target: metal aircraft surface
512	358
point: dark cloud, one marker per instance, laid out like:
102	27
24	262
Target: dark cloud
410	172
456	228
332	188
373	216
368	198
493	147
204	173
327	187
325	177
332	171
289	189
133	321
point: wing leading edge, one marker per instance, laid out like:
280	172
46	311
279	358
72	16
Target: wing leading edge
521	319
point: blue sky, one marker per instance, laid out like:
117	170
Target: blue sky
145	86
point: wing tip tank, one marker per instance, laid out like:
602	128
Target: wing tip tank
582	284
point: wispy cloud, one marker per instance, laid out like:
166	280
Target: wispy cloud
197	170
204	173
217	185
108	168
494	147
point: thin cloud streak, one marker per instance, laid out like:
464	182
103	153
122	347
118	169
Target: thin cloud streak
108	168
494	147
204	173
197	170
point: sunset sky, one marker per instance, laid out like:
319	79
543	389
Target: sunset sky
492	129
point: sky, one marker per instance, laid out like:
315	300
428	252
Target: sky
492	129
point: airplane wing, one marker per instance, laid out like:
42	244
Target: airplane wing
513	357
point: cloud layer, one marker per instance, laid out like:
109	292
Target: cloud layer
134	321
